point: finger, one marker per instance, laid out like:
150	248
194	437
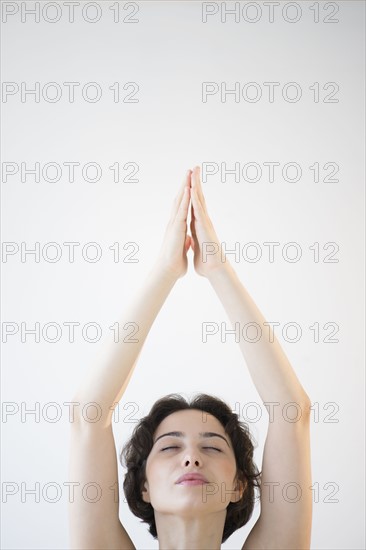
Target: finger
179	196
198	209
196	182
182	212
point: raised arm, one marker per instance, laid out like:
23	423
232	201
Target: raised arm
94	511
269	367
285	519
115	362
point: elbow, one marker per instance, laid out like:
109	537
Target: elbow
89	414
305	405
75	411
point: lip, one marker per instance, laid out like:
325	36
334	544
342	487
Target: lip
191	479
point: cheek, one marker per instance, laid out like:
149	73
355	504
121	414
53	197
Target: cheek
156	471
229	469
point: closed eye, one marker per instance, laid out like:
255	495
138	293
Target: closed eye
175	447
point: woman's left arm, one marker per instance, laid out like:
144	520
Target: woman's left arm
268	365
270	370
286	486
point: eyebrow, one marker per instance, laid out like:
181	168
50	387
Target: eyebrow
202	434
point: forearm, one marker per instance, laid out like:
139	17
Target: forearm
270	370
115	361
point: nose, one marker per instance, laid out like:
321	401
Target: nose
192	457
187	462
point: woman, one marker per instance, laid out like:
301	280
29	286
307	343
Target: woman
207	440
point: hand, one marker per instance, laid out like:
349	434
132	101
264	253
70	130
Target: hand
205	243
173	253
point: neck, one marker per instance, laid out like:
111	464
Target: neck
190	533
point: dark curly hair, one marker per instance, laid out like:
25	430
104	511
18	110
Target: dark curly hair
136	451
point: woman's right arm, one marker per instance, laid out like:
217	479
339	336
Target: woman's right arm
107	381
93	469
94	512
115	362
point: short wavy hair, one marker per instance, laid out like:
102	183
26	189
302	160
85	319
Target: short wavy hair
135	452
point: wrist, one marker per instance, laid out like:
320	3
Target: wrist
163	273
221	272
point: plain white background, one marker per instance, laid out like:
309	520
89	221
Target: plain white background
169	52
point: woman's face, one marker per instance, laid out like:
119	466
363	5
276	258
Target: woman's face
175	455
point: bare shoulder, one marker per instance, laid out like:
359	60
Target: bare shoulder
285	495
94	522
